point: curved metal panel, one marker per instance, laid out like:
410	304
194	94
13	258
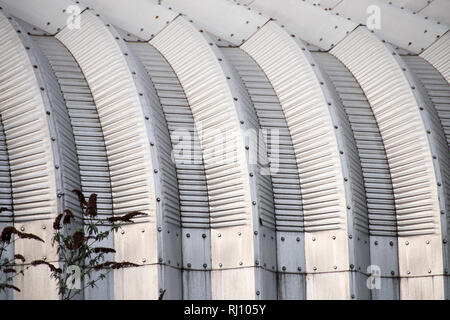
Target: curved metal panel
326	177
284	174
438	53
221	115
187	155
415	174
438	11
31	154
89	140
377	178
124	101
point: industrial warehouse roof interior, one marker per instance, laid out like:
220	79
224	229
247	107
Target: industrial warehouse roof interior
281	149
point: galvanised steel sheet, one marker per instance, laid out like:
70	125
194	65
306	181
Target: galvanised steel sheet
377	179
31	154
124	102
219	108
190	170
437	54
437	10
324	174
413	5
415	174
284	174
90	145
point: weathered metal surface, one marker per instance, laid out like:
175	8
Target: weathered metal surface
31	160
414	172
284	172
438	53
124	100
413	5
377	179
288	68
220	111
437	10
188	159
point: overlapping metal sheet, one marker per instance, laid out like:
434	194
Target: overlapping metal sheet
437	54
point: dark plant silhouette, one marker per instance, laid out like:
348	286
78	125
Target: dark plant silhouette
82	259
10	267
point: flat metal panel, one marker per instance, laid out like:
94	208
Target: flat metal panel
437	10
48	15
413	5
234	197
132	160
308	22
143	18
399	27
226	19
438	53
408	149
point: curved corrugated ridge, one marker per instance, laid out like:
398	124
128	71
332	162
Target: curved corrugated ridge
192	187
88	134
377	180
284	171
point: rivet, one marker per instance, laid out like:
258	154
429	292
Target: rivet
144	260
391	243
298	239
22	228
408	272
239	233
158	199
188	265
444	241
254	203
429	271
242	122
407	243
333	237
282	238
251	174
247	147
219	235
428	241
147	118
241	263
155	171
376	243
258	293
203	236
353	296
315	268
53	139
283	268
159	229
143	230
152	144
188	235
313	239
257	262
56	167
392	272
122	231
335	267
160	260
205	265
350	236
44	227
352	266
299	268
220	265
44	258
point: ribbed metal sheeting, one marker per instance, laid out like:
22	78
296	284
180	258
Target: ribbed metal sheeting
377	179
237	208
414	172
6	215
437	88
331	182
31	159
188	159
284	175
87	131
142	178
